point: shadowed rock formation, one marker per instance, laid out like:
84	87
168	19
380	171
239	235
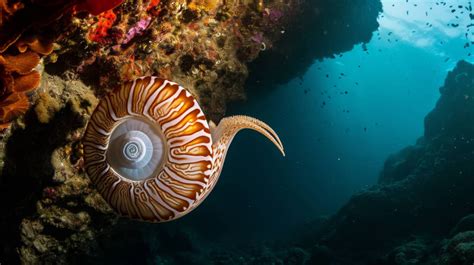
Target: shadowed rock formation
324	28
423	192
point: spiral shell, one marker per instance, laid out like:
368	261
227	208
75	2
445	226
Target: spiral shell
150	152
174	119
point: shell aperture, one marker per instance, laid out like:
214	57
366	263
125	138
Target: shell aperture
150	151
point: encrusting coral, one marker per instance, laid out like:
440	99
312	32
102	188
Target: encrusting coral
202	44
207	5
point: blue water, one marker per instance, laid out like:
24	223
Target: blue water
338	123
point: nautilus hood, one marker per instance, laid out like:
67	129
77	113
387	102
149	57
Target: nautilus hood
152	154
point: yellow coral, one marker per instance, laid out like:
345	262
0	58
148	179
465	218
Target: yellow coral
207	5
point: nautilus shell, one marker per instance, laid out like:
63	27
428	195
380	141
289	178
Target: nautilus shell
152	154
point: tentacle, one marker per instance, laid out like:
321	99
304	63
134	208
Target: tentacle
230	126
223	134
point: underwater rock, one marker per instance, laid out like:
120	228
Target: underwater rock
459	250
423	191
295	256
336	26
454	109
172	245
411	253
321	255
265	256
398	166
465	224
59	211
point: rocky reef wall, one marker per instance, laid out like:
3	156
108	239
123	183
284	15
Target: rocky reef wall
420	211
50	205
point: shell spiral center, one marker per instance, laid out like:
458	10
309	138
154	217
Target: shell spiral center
133	150
136	149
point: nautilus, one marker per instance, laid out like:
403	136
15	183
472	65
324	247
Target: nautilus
151	152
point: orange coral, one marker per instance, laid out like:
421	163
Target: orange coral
22	63
18	77
17	74
35	44
12	105
26	83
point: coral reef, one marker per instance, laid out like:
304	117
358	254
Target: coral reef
27	32
205	45
424	194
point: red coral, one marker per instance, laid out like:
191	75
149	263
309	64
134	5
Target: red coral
100	32
152	4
